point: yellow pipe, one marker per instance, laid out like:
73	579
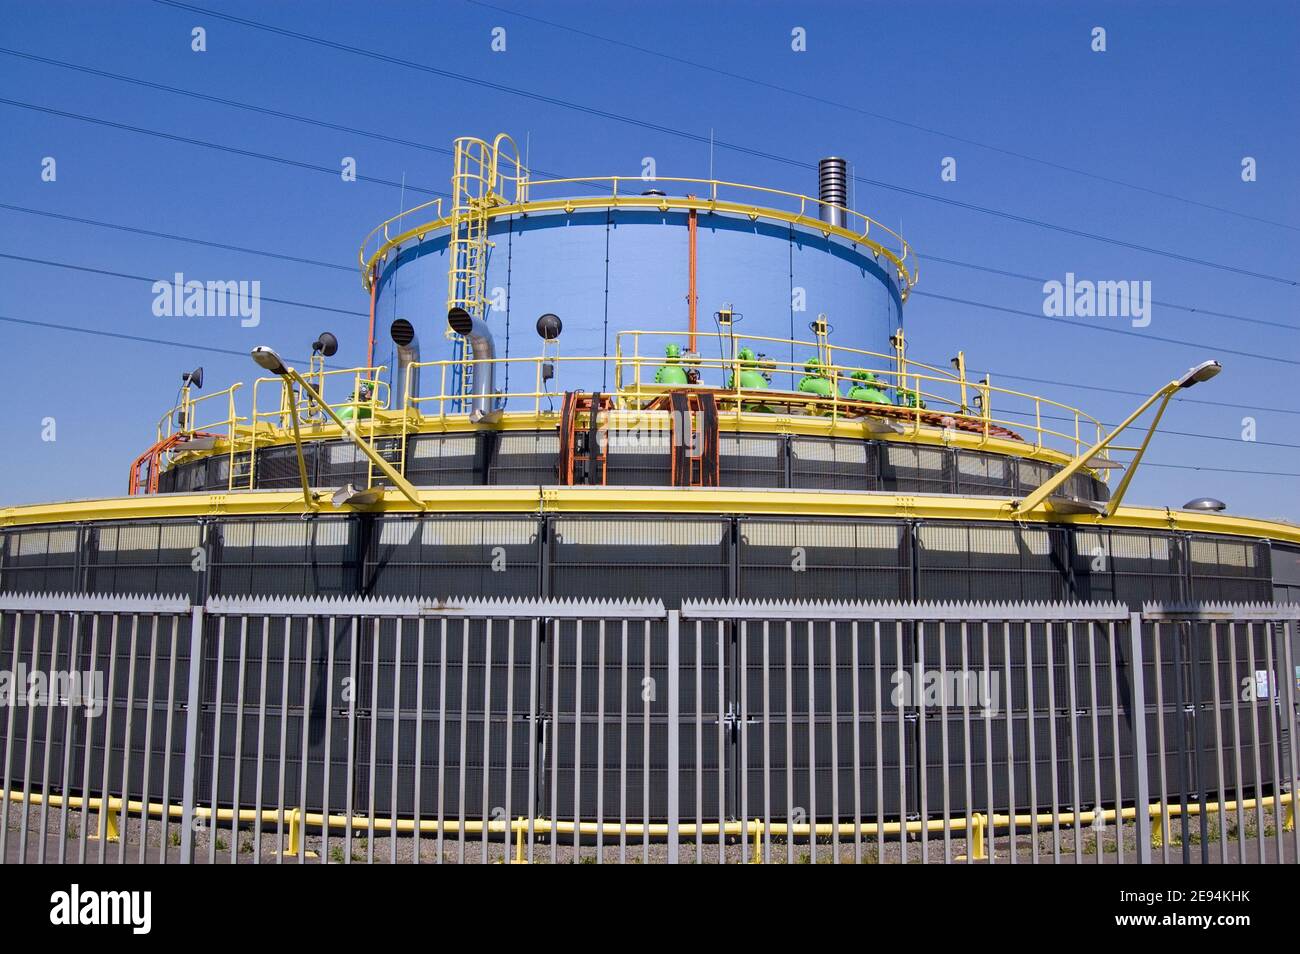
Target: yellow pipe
299	820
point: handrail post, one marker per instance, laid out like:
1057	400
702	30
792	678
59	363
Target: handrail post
674	726
188	792
1142	796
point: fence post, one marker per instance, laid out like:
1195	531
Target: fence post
674	727
192	736
1142	795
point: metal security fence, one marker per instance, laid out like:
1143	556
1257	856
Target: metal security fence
258	729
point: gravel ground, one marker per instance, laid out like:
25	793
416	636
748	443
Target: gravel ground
403	848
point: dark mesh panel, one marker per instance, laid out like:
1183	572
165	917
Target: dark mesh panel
255	704
639	459
1229	569
747	461
822	463
112	665
645	700
826	560
191	477
639	558
277	467
146	558
985	474
453	556
985	562
40	559
1031	474
525	458
441	459
284	556
910	469
1131	566
787	732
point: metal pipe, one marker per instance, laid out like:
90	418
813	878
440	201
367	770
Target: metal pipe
408	353
479	336
833	185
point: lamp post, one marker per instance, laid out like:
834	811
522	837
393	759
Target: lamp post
1201	372
270	361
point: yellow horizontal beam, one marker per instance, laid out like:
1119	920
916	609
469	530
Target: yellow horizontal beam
711	500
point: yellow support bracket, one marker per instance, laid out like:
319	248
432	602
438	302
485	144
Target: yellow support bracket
295	837
108	808
1159	825
977	850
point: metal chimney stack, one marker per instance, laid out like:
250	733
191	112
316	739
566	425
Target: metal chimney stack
833	189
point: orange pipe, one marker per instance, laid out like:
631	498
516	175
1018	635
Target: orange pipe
691	226
370	348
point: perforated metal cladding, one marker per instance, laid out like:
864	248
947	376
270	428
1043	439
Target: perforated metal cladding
1227	569
525	458
658	557
640	456
442	459
41	558
906	468
983	562
278	466
146	558
133	659
317	556
834	559
482	721
1128	565
826	464
746	461
796	721
626	749
985	474
454	556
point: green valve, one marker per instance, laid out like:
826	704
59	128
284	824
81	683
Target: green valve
672	372
815	381
867	388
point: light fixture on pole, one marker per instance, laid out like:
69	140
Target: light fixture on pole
268	359
1195	375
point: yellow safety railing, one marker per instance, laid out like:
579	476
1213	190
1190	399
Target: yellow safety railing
201	413
911	396
969	404
704	195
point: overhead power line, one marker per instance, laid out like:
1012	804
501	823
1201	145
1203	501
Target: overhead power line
338	267
702	139
246	153
249	107
1102	328
351	130
929	258
146	278
766	84
142	339
172	237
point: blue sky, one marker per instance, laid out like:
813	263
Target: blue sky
1183	92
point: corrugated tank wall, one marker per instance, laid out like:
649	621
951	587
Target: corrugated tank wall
606	271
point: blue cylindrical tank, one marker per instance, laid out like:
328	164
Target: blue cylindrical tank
609	270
